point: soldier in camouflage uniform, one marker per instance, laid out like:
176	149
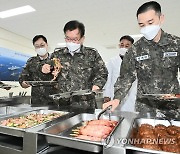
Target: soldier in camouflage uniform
31	72
83	67
155	59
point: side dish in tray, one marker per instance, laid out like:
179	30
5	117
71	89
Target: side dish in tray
94	130
160	137
30	120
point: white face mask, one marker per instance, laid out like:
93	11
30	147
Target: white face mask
150	31
72	46
122	51
41	51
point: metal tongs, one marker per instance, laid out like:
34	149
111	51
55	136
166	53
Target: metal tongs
107	110
163	116
74	93
61	95
86	92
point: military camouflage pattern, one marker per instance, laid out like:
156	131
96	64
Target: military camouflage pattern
156	66
31	72
80	71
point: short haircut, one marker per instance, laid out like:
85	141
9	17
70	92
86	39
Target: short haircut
152	5
127	37
37	37
74	24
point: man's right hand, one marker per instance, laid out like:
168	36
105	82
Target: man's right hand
114	104
46	68
25	84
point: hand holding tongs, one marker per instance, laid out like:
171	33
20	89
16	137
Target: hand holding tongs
108	109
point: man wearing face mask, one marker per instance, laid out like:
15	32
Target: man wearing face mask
155	59
114	65
31	72
83	67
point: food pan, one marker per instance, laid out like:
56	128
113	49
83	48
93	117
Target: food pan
7	110
19	132
160	101
42	83
134	128
59	133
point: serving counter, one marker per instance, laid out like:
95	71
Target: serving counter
53	136
32	140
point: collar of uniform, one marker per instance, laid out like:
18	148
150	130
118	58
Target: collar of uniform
163	40
40	58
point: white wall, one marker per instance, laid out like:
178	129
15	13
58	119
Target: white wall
18	43
15	42
105	53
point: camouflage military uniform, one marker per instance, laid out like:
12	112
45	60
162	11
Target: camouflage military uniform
156	66
80	71
31	72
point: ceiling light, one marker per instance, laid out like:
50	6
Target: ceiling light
16	11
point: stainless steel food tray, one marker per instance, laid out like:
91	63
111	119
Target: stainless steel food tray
139	121
19	132
42	83
76	93
157	101
7	110
59	134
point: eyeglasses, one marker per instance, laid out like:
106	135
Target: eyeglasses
72	40
40	46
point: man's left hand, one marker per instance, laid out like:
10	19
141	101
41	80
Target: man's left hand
95	88
114	104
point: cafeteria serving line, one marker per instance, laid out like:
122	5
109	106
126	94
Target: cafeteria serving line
28	128
25	128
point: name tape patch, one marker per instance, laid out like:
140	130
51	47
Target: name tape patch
170	54
142	57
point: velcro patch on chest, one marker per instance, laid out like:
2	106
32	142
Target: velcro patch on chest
144	57
170	54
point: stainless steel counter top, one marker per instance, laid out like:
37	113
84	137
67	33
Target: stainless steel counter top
115	146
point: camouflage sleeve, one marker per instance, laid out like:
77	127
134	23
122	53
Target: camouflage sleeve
25	74
100	72
127	75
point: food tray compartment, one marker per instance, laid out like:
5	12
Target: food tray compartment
59	133
19	132
133	132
